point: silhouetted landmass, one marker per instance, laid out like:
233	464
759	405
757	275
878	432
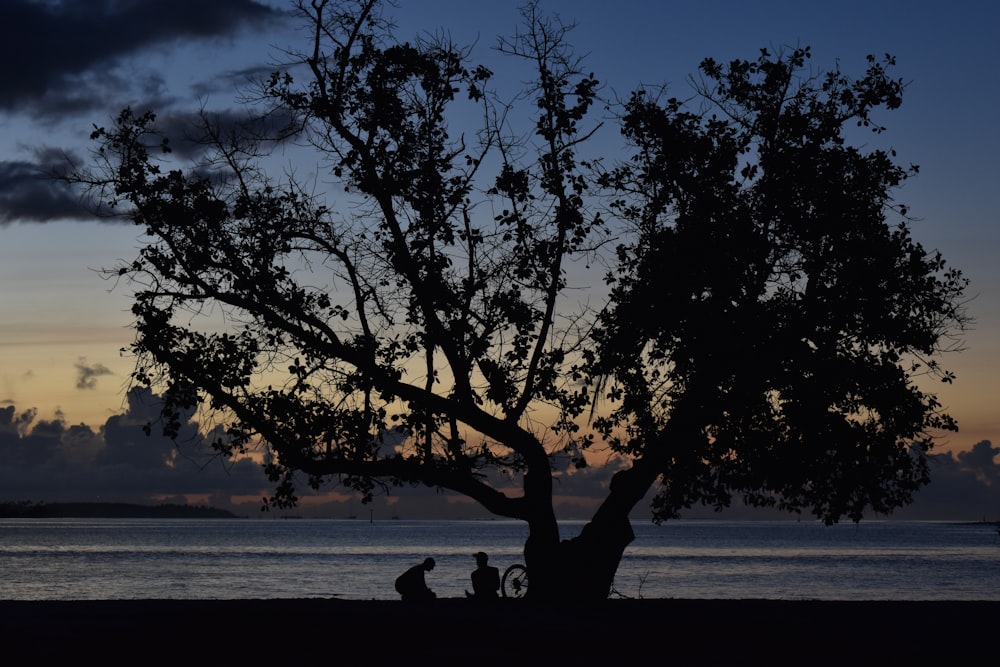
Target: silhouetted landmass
27	509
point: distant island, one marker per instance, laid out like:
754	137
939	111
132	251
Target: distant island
27	509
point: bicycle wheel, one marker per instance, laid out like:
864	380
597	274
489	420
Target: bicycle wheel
515	581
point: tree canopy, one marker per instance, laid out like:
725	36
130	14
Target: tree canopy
767	319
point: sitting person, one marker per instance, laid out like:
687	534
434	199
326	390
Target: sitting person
485	579
411	584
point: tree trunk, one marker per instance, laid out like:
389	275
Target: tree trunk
584	567
581	568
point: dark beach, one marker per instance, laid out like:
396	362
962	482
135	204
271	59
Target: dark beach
509	632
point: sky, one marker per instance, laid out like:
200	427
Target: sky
70	430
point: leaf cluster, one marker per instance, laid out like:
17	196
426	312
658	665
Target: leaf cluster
778	315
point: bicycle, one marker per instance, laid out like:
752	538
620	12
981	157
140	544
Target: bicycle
514	583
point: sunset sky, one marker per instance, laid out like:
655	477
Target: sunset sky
74	63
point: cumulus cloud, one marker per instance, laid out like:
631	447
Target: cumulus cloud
982	458
964	486
51	461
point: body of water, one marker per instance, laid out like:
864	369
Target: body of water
90	559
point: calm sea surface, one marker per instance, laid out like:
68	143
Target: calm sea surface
77	559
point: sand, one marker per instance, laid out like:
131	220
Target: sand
514	633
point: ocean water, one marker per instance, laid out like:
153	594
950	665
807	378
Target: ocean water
92	559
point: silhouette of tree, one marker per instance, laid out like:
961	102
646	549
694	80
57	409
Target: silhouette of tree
760	338
767	325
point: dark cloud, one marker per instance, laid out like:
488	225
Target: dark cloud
16	424
235	80
50	461
77	62
190	132
59	56
965	486
33	192
982	458
39	190
54	462
87	374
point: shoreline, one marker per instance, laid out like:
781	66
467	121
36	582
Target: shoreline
457	631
